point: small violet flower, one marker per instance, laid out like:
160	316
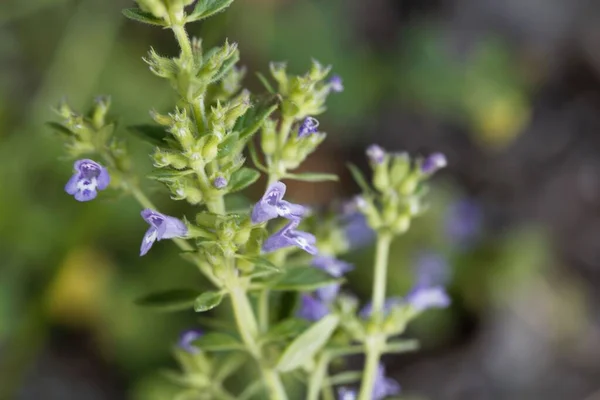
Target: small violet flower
272	205
89	177
219	182
347	394
335	84
312	309
375	154
384	386
186	339
289	236
433	163
422	298
335	268
161	227
431	269
308	126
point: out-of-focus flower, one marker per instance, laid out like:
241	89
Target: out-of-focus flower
89	177
433	163
335	268
312	309
186	339
272	205
384	386
308	126
336	84
161	227
375	154
422	298
289	236
345	393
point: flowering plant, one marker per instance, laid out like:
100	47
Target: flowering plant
258	255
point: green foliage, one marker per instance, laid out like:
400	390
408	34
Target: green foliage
301	279
170	300
207	301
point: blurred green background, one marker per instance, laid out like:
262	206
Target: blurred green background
509	90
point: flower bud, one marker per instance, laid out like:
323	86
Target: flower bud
400	167
268	138
210	149
409	185
401	224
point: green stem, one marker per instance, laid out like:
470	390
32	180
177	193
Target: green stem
248	329
183	40
375	343
315	382
263	310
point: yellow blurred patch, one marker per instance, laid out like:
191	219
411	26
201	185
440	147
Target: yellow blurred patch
76	295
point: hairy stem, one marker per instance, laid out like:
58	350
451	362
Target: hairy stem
183	40
375	343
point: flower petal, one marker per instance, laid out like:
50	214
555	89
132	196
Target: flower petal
85	195
148	240
71	186
312	309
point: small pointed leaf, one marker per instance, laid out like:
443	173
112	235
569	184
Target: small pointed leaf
305	346
302	279
359	178
206	8
60	128
141	16
207	301
169	300
312	177
167	175
242	178
215	341
286	329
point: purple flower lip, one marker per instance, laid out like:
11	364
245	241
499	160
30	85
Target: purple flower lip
434	163
312	309
89	177
384	386
376	154
186	339
161	227
220	182
309	126
422	298
272	205
289	236
336	84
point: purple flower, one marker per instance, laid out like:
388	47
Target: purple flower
335	268
289	236
89	177
347	394
312	309
463	222
161	227
308	126
390	302
376	154
433	163
384	386
357	231
186	339
336	84
219	182
422	298
272	205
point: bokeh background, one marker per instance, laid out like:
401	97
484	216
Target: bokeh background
509	90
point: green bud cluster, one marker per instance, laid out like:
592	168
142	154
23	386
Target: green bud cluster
399	187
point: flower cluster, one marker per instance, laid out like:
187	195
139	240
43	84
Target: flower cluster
250	258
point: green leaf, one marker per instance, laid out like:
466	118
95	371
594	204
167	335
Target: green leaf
226	67
312	177
206	8
265	83
215	341
286	329
263	263
168	175
153	134
141	16
401	346
228	145
359	178
254	156
304	347
242	178
302	279
255	118
60	128
207	301
169	300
